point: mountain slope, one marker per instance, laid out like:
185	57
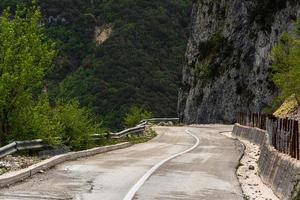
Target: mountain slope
227	67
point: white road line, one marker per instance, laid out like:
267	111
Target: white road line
138	185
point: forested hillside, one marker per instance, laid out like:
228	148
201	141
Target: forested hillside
116	54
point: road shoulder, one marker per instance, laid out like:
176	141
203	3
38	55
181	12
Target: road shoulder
247	173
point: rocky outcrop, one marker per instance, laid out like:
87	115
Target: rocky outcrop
227	67
103	33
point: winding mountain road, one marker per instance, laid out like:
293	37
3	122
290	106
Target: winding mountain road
182	163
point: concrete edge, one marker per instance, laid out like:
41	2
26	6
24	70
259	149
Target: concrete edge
242	153
20	175
277	170
239	162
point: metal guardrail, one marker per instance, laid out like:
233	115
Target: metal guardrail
157	120
36	144
8	149
20	145
139	129
30	144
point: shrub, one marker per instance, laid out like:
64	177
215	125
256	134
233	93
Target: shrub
38	121
286	66
65	123
78	125
135	115
26	55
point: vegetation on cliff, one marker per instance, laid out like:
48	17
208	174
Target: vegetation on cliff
286	65
286	72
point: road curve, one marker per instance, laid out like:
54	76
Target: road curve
206	171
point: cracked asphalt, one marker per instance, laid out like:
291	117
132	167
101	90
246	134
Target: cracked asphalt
206	173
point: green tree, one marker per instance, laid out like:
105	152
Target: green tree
63	123
286	65
139	64
25	112
39	120
78	124
26	55
135	115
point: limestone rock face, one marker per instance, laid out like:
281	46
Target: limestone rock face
228	67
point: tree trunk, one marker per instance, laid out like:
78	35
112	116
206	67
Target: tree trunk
4	127
1	133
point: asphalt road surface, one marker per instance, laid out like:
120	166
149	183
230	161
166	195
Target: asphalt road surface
181	163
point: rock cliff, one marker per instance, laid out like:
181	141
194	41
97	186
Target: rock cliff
227	67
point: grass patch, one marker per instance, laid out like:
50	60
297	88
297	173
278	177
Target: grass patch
288	106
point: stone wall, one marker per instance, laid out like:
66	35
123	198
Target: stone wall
277	170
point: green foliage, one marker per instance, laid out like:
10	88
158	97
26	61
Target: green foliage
135	115
39	121
210	47
64	123
78	125
215	48
26	55
204	71
286	66
138	65
298	27
297	196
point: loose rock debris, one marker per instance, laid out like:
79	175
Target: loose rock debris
14	163
247	173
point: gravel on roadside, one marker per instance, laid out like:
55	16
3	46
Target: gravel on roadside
14	163
247	173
